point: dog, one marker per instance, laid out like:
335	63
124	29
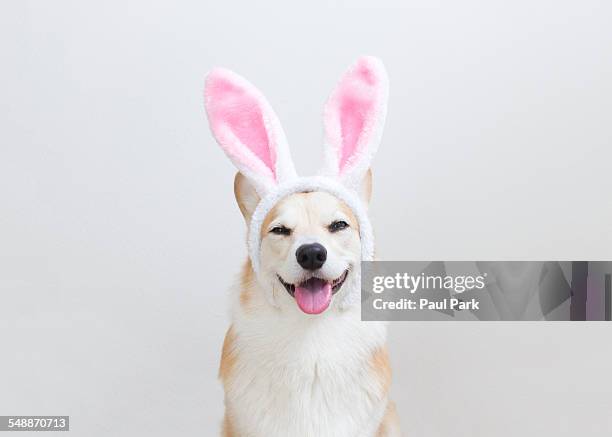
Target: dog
297	360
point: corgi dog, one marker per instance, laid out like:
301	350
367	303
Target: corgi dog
297	360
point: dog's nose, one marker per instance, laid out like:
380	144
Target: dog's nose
311	256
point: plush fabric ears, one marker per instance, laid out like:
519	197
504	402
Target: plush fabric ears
354	118
248	130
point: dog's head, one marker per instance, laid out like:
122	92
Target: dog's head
310	245
306	235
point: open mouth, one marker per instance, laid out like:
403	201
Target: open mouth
313	295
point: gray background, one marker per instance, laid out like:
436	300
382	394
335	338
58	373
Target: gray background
119	234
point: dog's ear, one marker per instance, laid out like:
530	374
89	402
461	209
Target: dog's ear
246	196
365	189
354	117
247	129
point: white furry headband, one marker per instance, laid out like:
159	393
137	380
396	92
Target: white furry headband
249	132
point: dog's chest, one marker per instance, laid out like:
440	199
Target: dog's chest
307	380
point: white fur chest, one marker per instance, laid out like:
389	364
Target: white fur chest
298	376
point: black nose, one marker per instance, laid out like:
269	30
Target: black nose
311	256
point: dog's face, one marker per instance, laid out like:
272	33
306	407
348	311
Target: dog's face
310	245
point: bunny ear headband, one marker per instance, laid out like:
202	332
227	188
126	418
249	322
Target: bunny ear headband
248	130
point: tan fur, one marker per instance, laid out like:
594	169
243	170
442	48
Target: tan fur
227	429
246	279
390	423
229	355
366	186
308	203
352	220
381	368
246	196
269	218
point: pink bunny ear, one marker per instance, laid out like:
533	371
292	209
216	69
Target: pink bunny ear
247	129
354	118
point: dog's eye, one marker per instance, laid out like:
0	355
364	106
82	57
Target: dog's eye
338	225
280	230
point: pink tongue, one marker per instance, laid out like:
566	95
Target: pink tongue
313	296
